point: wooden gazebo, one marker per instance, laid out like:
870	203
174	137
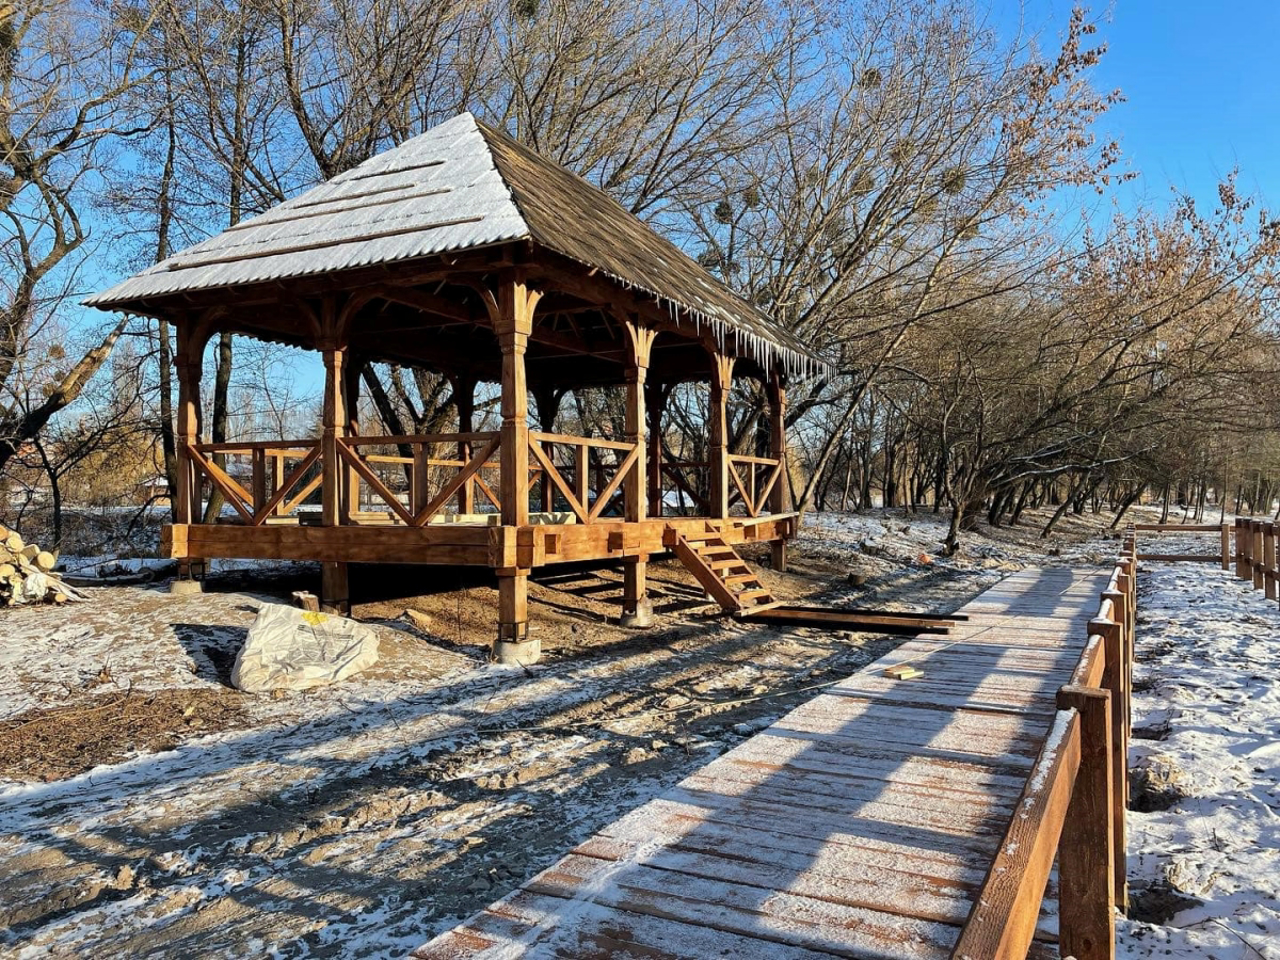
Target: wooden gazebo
466	253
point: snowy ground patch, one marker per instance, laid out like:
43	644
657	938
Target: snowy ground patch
1204	841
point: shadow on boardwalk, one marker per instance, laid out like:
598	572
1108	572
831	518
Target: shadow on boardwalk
860	825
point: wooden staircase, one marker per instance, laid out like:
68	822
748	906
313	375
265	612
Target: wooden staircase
718	568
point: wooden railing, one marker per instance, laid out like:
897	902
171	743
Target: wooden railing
429	483
1253	545
282	474
587	499
754	479
1255	554
1073	805
751	481
266	481
1223	530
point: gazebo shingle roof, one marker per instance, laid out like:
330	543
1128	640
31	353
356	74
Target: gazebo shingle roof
459	186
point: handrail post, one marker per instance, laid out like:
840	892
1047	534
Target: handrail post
1226	546
1086	918
1256	567
1113	680
1242	541
1269	559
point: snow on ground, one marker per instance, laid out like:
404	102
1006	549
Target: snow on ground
1204	860
360	820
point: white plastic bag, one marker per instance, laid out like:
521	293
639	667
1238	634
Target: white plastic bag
291	649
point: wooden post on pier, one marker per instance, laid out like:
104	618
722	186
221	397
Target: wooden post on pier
1086	916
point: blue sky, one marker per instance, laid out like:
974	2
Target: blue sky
1202	83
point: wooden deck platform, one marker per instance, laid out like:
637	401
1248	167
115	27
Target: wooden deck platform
862	824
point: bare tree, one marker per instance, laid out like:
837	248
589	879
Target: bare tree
64	72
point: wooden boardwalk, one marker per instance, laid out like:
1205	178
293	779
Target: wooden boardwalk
862	824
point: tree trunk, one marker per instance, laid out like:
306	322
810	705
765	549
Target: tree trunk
218	426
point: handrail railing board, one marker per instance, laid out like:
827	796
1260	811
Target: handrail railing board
239	498
1002	922
245	446
1093	662
453	486
554	475
414	439
759	461
572	441
367	474
287	484
1177	527
752	496
1073	804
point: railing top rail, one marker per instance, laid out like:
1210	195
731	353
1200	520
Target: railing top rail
1089	671
284	446
416	438
1178	527
572	440
764	461
1003	920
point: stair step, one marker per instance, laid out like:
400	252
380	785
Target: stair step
718	568
717	551
726	564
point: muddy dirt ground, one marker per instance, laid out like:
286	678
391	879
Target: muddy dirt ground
148	809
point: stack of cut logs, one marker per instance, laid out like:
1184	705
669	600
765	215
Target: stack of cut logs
26	573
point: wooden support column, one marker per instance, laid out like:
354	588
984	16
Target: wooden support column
655	402
334	595
512	314
464	401
1226	546
718	433
780	496
637	611
351	371
1086	924
189	360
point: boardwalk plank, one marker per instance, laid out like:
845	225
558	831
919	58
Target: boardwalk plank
862	824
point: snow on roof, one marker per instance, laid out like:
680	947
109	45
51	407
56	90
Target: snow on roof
461	185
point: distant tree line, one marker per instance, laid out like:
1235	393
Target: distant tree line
893	181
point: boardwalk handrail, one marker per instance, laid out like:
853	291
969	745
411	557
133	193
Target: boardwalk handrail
1254	551
1222	529
1255	554
1072	805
